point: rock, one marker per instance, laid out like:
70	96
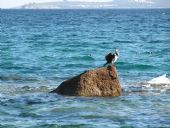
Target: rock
99	82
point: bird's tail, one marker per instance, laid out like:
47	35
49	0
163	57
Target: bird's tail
105	64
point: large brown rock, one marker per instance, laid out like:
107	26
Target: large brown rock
99	82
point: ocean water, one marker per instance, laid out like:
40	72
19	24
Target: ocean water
41	48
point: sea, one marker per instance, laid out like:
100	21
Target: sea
41	48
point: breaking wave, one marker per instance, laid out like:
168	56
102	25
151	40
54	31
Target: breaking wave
160	80
158	84
161	83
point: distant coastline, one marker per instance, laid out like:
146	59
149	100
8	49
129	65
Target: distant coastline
80	5
68	5
85	9
95	4
77	5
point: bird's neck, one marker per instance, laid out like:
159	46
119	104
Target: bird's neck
117	54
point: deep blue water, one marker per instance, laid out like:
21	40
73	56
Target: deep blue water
41	48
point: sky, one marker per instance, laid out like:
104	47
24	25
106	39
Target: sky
119	3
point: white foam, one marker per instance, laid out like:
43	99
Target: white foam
160	80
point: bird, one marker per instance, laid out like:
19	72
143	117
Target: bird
112	58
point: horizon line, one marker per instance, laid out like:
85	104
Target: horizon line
85	8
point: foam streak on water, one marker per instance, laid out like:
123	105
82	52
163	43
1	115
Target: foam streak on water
41	48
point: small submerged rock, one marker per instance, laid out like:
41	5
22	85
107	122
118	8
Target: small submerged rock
99	82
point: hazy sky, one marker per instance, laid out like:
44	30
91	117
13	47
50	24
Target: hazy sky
120	3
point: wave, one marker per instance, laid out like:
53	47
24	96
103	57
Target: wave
161	83
123	41
18	78
83	58
15	89
73	65
155	86
160	80
129	66
157	41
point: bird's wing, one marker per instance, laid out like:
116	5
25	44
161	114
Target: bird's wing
113	55
108	56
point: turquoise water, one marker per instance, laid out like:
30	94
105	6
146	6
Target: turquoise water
41	48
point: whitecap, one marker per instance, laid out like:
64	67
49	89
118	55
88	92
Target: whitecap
161	83
160	80
157	85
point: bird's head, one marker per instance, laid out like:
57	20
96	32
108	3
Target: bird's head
117	52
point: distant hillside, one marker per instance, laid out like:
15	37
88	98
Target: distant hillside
68	5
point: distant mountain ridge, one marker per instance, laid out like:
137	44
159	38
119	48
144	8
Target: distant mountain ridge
68	5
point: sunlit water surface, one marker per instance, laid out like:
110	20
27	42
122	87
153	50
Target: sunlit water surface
41	48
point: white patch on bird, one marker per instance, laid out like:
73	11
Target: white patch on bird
116	55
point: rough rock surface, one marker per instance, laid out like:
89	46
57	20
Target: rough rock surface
99	82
